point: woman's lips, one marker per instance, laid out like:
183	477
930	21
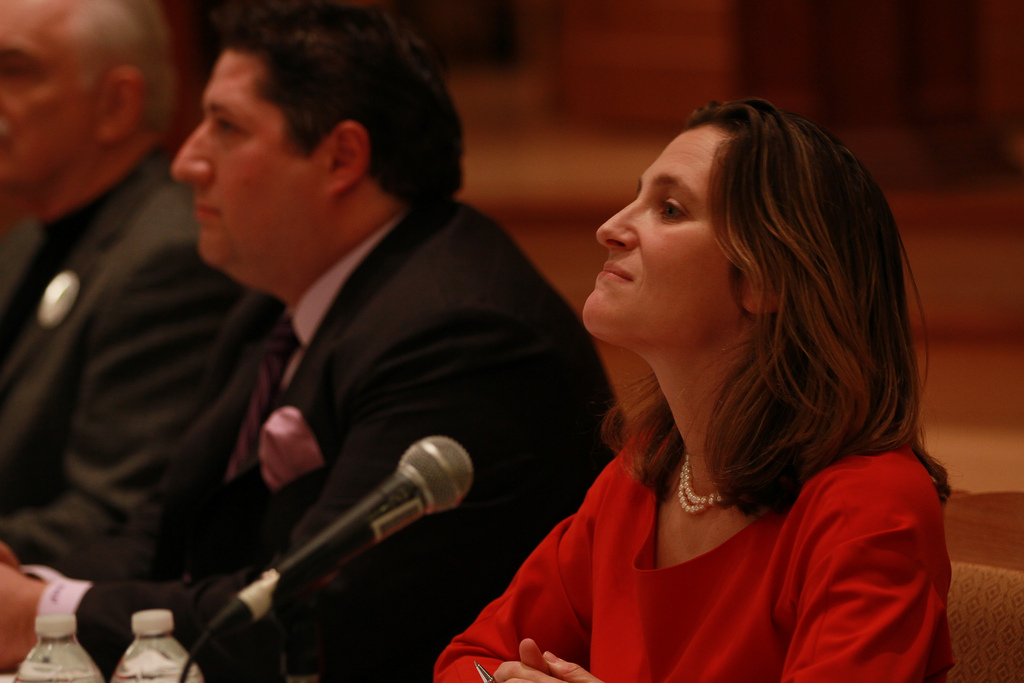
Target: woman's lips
614	271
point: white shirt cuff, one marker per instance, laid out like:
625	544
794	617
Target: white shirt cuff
61	595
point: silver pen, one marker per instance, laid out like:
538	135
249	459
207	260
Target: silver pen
486	677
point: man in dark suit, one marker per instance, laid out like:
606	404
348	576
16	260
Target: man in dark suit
106	312
324	170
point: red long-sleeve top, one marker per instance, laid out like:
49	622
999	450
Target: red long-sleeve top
849	585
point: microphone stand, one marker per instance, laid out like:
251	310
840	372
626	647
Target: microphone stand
301	635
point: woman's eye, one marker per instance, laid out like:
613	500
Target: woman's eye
672	211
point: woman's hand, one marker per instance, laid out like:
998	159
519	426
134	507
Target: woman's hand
541	667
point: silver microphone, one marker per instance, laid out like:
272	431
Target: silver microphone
433	475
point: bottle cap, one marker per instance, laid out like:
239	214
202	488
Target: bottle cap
152	622
56	625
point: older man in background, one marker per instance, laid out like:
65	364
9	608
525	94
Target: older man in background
106	312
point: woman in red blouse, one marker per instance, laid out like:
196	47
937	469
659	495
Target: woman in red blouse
772	515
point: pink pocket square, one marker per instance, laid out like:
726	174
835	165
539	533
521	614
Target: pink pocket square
288	448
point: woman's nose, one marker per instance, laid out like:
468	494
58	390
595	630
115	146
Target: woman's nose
616	232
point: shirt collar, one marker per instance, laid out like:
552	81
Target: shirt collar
313	305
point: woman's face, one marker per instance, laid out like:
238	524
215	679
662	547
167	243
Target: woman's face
665	291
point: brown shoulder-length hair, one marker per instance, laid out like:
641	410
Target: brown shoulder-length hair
830	368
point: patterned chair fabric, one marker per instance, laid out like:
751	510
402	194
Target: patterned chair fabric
986	621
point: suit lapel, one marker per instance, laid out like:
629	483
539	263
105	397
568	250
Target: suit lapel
194	494
17	250
366	281
229	386
391	254
306	390
86	261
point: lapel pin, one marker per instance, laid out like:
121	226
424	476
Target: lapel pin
58	299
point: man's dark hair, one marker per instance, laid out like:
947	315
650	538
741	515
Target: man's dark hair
328	62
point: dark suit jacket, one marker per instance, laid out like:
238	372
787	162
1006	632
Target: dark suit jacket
444	329
84	404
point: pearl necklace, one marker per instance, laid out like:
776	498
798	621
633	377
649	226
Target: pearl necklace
690	501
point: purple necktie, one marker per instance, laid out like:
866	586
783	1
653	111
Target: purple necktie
280	346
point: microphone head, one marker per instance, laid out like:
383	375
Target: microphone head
441	469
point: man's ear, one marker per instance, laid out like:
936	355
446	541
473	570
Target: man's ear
121	104
347	153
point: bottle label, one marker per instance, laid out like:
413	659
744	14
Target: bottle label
151	666
46	671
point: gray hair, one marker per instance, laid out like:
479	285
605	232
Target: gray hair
111	33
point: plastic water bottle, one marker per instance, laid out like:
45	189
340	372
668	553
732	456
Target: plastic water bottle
58	657
155	656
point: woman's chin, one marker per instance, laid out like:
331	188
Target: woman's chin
600	320
591	315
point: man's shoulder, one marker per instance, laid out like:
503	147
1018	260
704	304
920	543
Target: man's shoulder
471	256
144	238
150	206
454	278
469	226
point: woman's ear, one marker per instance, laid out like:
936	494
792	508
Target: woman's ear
757	299
347	153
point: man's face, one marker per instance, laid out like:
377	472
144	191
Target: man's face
256	193
47	114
